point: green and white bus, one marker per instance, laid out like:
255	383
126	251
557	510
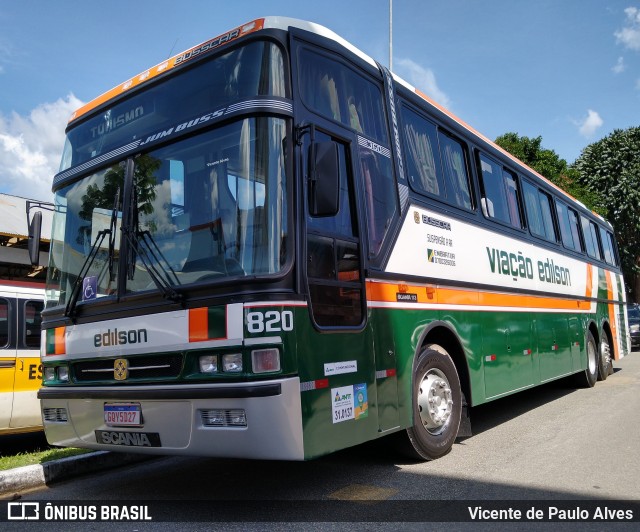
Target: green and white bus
269	246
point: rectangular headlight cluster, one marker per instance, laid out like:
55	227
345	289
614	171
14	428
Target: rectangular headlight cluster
56	373
262	361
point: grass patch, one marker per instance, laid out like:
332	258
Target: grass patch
38	457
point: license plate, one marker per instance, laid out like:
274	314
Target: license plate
122	415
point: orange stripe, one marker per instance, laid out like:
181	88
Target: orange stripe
612	316
589	280
198	324
161	68
387	292
59	341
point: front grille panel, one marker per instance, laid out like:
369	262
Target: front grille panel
140	368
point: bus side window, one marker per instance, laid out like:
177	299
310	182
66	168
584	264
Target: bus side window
423	155
591	236
32	323
380	196
4	323
569	230
607	246
501	196
456	174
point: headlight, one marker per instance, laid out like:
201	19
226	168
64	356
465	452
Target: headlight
634	328
49	374
63	373
232	362
208	364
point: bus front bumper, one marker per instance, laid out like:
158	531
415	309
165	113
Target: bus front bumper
261	420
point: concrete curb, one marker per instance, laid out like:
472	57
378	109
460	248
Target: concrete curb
39	475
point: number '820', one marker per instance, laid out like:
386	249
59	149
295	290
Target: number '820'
270	321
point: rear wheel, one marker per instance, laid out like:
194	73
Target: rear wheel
437	406
605	366
588	377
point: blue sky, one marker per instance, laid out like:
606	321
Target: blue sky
568	70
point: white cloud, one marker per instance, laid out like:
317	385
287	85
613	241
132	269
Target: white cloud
629	35
31	146
588	126
619	67
423	79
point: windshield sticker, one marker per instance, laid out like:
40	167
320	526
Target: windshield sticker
89	288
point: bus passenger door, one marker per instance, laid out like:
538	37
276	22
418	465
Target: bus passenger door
7	360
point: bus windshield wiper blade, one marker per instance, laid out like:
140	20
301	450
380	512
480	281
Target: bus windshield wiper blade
93	252
144	246
75	291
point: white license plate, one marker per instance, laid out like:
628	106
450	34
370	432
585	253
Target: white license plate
122	414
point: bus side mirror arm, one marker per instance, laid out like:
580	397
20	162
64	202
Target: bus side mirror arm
324	179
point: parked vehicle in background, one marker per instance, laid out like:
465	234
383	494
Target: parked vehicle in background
20	367
633	314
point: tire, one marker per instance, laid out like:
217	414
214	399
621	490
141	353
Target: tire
437	406
589	376
605	364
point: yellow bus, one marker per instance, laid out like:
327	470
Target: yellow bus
20	366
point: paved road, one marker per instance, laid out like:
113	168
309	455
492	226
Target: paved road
551	443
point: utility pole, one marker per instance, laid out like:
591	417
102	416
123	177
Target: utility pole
391	35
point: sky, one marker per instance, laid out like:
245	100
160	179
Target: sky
565	70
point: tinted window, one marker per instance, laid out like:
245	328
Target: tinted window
539	217
590	238
251	70
423	156
456	174
4	323
335	91
569	231
32	321
501	194
607	246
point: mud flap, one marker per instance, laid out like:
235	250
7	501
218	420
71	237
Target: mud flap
465	421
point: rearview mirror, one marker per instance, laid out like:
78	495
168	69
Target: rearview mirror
35	228
324	179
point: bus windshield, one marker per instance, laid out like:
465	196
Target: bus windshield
204	208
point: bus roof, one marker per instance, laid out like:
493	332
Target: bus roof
284	23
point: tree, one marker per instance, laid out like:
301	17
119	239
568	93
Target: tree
549	164
610	168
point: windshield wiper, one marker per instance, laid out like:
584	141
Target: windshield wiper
142	245
70	309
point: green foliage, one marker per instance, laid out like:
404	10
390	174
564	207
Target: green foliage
38	457
549	164
610	168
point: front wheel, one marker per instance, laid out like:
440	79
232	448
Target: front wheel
437	406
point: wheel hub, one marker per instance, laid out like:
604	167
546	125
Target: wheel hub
435	402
